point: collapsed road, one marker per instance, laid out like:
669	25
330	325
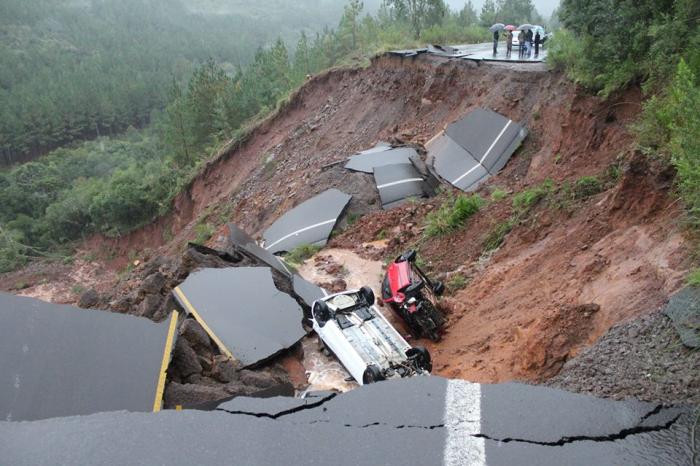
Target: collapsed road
426	421
421	421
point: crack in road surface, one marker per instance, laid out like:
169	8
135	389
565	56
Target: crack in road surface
623	434
285	412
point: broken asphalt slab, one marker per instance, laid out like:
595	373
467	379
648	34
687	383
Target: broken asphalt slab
378	157
311	222
239	239
58	360
455	165
398	182
475	147
427	420
243	312
489	137
306	290
684	311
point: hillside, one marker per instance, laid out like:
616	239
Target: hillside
77	70
574	264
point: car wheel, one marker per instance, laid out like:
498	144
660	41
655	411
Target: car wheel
372	374
322	313
408	256
367	295
422	357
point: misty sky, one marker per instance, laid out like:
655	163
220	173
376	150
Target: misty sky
545	7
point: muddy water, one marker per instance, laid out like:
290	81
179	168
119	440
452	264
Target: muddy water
326	373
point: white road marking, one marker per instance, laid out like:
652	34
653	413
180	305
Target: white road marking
468	172
300	231
495	141
394	183
462	420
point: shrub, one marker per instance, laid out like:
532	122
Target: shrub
671	125
587	186
452	214
525	200
298	255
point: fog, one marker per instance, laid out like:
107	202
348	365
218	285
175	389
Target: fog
544	7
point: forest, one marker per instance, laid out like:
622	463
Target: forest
123	101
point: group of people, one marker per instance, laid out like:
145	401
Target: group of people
527	41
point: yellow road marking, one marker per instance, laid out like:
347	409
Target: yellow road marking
167	351
193	311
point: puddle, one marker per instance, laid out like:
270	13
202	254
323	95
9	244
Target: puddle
323	372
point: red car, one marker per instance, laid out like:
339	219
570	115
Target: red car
410	293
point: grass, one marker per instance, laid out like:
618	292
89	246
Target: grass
498	194
498	234
526	200
298	255
457	282
694	278
352	218
587	186
203	233
452	214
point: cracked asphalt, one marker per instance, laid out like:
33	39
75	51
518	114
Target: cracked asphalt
422	421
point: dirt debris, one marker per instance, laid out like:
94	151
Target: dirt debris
642	359
526	308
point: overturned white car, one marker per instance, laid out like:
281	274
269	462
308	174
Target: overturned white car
363	340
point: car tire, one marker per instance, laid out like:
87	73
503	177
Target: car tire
322	313
409	256
367	295
372	374
422	357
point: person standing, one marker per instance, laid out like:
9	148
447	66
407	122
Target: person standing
528	39
495	41
509	43
521	44
537	43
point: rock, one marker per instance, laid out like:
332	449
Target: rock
195	334
150	304
223	370
185	359
193	394
257	379
153	284
206	362
89	299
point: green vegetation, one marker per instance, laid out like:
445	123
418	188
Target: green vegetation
526	200
587	186
457	282
74	70
298	255
670	126
124	100
498	194
498	234
203	232
452	214
642	40
694	278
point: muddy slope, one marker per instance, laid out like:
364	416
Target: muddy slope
562	277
